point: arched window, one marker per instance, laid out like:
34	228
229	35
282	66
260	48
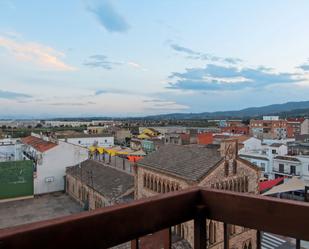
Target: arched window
223	185
163	187
230	185
151	183
172	188
212	232
159	187
148	181
144	181
239	185
217	185
250	245
182	231
155	185
246	184
245	246
168	187
232	229
235	188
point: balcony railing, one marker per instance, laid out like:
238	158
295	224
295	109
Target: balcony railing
286	172
114	225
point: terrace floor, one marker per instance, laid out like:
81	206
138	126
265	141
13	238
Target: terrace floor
36	209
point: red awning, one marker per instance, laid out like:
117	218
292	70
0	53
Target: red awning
134	158
269	184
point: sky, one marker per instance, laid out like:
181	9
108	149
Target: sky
78	58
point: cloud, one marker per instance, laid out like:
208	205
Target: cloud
189	51
113	91
191	54
37	53
72	103
163	105
13	95
305	66
215	77
99	92
134	64
108	17
101	61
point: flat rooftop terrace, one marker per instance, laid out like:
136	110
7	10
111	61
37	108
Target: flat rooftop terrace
40	208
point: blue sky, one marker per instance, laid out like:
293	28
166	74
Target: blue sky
130	58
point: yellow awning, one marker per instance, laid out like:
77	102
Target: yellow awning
100	150
92	148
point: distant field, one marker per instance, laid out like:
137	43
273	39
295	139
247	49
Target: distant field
23	132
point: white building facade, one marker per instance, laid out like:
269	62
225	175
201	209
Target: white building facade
88	141
51	158
262	155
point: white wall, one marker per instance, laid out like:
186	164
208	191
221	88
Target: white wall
252	144
304	127
280	141
287	166
54	163
89	141
279	151
305	166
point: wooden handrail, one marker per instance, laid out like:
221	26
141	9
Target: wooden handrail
114	225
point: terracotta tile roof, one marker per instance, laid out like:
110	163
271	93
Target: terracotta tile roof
38	143
241	139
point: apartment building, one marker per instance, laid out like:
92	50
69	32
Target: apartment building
268	128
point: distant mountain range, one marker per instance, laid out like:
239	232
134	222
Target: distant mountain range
288	109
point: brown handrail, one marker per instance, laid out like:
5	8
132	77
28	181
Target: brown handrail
269	214
117	224
104	227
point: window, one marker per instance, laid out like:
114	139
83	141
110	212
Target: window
226	168
234	166
281	168
273	152
263	166
232	229
212	232
293	170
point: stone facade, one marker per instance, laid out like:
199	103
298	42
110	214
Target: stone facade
95	185
232	174
85	195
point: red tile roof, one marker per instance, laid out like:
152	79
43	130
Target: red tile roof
269	184
38	143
